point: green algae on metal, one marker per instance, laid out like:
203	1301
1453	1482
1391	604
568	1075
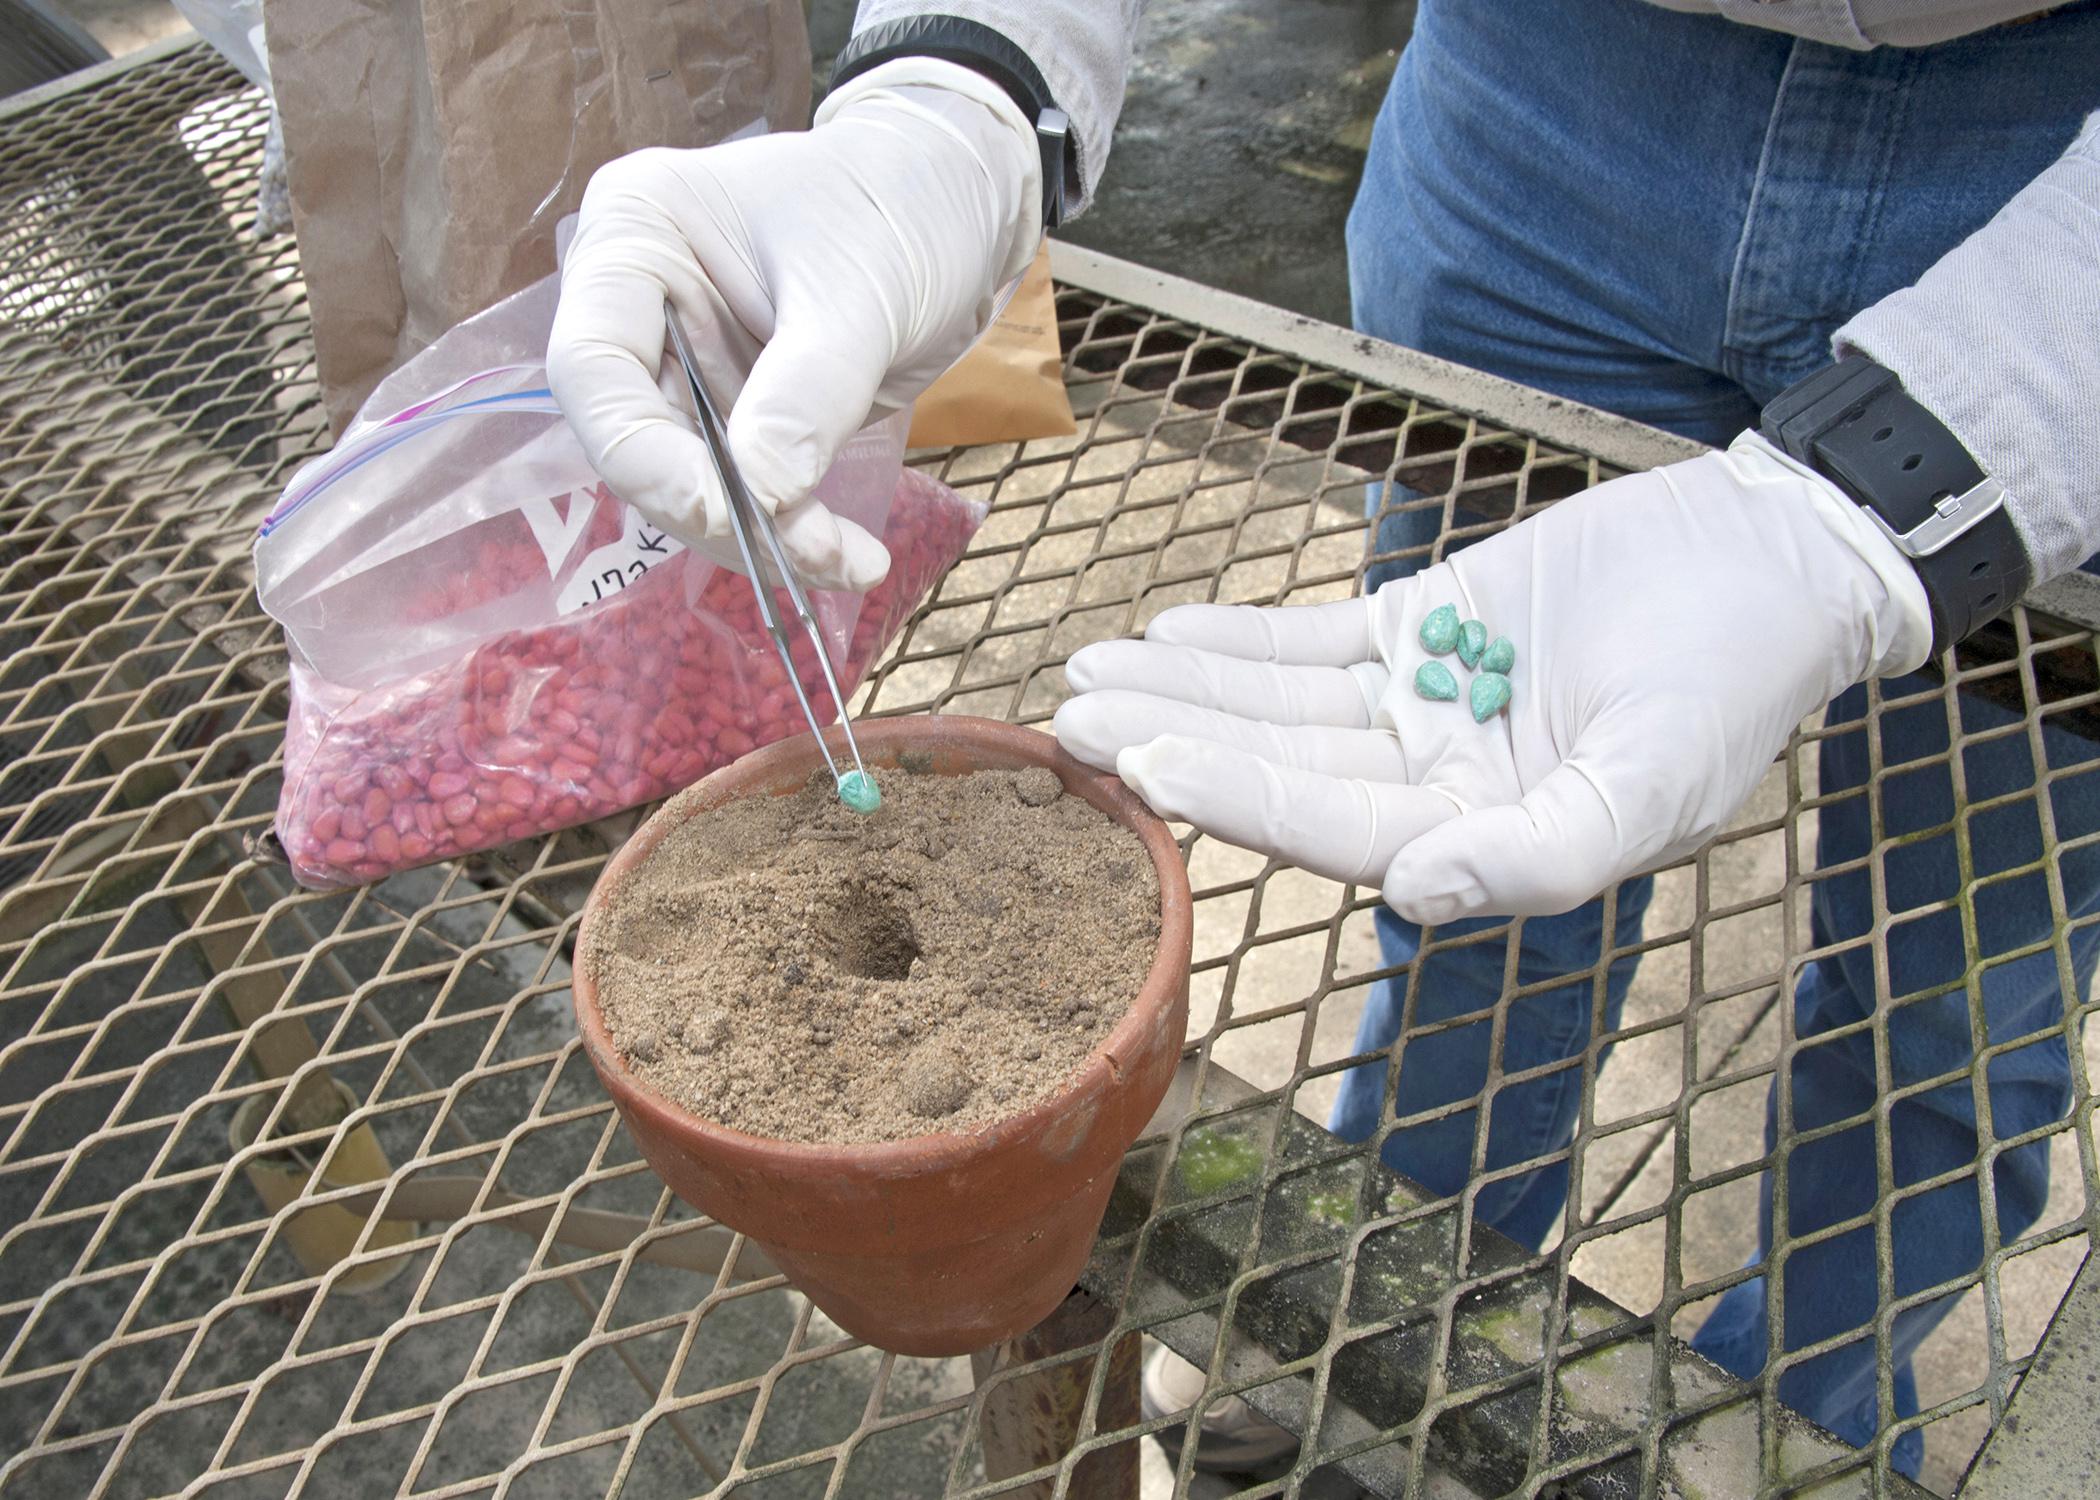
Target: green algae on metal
1210	1160
1335	1206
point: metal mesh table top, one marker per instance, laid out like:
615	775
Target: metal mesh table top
511	1304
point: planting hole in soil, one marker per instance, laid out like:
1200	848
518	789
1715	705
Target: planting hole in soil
870	937
801	971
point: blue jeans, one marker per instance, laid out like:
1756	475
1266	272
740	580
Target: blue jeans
1668	216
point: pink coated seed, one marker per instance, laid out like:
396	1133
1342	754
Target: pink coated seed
575	719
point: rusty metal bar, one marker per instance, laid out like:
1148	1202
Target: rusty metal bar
1032	1422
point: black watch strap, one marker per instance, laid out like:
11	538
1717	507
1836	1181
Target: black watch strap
975	46
1854	424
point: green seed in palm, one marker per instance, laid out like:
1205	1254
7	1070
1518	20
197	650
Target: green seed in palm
1500	656
1440	630
1472	642
1433	680
1488	696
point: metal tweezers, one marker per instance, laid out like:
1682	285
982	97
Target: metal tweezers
748	518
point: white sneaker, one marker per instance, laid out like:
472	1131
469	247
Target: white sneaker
1233	1437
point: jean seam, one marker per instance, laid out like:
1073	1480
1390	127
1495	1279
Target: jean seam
1739	267
1539	1127
1892	132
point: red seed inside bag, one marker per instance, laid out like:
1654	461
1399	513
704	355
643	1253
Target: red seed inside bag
620	702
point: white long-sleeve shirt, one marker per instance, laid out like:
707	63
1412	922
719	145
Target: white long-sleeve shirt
1860	24
2000	339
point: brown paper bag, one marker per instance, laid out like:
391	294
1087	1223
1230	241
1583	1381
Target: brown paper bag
1011	385
432	146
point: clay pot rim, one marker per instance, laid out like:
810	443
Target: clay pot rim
897	736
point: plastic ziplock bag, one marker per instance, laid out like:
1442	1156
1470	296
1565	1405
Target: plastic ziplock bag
486	644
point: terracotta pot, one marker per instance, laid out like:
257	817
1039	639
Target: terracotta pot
939	1244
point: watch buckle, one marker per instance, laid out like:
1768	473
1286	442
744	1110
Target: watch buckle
1052	130
1952	515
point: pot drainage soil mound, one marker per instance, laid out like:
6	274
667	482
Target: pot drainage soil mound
792	969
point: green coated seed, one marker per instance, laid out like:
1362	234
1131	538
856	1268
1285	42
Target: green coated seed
1472	642
1489	695
858	791
1440	630
1433	680
1500	656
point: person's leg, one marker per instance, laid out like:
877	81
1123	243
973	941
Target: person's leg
1463	279
1935	1236
1802	253
1881	162
1527	1121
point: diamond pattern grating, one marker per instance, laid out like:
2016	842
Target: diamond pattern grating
446	1272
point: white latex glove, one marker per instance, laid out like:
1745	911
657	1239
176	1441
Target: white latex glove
1671	630
825	277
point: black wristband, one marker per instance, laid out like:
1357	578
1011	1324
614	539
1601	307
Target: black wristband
1854	424
975	46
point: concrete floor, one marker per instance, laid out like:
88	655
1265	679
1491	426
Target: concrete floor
1240	145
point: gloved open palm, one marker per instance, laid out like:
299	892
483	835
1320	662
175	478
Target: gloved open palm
824	276
1671	629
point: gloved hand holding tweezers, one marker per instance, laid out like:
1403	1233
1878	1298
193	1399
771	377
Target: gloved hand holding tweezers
766	564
